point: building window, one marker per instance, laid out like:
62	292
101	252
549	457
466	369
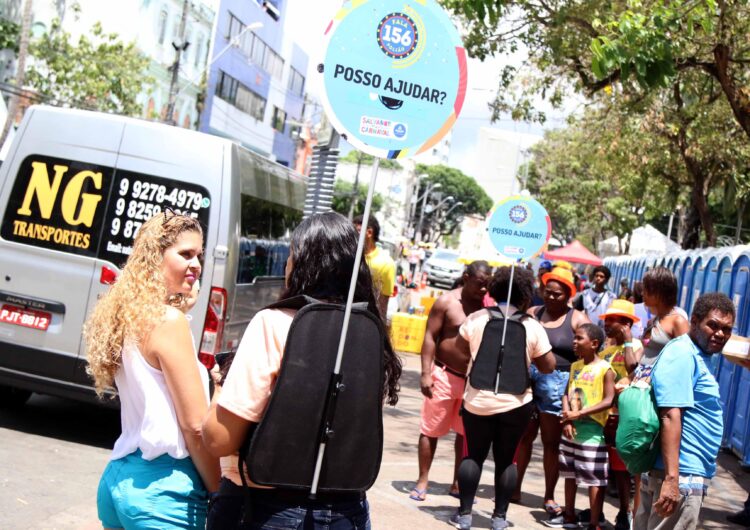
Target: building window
176	29
198	50
234	92
163	15
279	119
296	82
234	27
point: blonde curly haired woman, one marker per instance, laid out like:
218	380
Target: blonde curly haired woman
139	342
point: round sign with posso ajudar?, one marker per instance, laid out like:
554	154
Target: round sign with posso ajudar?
394	75
519	227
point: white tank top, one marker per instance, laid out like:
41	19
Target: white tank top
147	414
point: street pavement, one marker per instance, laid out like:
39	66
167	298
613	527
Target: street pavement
53	451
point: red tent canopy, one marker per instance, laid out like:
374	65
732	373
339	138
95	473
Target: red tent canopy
574	252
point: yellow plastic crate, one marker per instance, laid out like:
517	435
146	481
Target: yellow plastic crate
407	332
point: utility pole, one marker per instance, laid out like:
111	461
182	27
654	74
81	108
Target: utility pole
179	47
23	50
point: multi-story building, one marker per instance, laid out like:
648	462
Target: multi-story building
256	82
154	26
499	156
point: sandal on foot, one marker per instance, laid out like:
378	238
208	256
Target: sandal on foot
418	495
552	508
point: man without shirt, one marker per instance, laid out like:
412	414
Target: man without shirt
444	369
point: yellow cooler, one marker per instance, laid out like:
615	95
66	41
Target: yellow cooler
407	332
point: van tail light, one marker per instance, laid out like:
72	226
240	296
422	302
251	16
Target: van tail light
107	276
213	327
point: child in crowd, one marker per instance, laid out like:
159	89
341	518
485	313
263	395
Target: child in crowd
583	453
619	319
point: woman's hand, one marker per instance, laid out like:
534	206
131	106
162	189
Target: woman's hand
570	415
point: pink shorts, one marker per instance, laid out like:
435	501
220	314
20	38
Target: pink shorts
441	413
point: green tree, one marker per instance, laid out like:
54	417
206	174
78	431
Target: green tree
676	66
363	159
99	72
343	193
9	35
468	199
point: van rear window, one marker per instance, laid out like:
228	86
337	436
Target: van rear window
91	210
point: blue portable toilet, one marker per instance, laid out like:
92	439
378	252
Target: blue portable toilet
632	262
730	375
676	267
647	261
699	274
638	264
711	273
725	269
617	272
685	281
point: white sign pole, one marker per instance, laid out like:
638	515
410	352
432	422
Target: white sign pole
348	308
505	322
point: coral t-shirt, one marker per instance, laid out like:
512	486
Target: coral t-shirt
486	402
253	373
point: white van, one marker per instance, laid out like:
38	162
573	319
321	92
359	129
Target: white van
74	190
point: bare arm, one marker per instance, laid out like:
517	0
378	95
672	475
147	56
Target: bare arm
568	430
671	434
546	363
171	345
680	326
632	356
383	305
223	432
579	317
429	346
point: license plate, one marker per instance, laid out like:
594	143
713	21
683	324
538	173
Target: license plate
27	318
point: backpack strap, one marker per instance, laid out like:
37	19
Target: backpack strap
302	300
295	302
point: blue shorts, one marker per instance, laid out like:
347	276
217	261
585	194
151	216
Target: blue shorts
548	390
162	493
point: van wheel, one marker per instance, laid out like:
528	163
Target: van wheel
13	397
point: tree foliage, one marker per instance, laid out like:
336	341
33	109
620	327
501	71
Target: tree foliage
468	199
343	194
98	72
9	35
358	157
674	74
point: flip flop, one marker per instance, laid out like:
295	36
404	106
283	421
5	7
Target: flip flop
418	495
552	508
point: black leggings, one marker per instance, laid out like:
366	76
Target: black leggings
502	431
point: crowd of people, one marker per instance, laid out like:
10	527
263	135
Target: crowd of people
180	460
583	348
507	356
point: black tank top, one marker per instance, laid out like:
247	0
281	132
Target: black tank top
561	339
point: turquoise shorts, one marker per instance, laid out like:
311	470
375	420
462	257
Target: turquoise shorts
162	493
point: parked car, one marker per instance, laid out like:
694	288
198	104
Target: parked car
443	268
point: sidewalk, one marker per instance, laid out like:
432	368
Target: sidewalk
392	509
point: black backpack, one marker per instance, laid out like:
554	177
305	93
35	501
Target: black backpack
308	402
502	369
